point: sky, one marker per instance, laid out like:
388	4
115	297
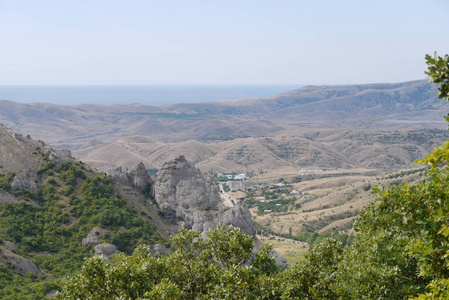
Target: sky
149	42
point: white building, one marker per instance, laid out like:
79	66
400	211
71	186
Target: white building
260	199
240	177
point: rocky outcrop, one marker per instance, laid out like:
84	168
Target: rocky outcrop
56	156
192	200
105	250
19	153
137	177
25	181
6	197
11	247
93	237
188	197
140	178
279	259
17	262
158	249
119	176
239	216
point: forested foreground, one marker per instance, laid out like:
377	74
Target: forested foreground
400	251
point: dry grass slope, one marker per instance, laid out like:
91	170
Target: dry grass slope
288	152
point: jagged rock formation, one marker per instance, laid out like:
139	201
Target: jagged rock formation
105	250
25	181
158	249
19	153
119	176
239	216
11	247
6	197
17	262
192	200
140	178
137	177
93	237
58	156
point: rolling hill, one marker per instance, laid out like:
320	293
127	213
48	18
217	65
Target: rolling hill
289	151
400	106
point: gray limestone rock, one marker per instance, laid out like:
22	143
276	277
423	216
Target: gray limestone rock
6	197
158	249
25	181
56	156
186	196
192	200
59	156
19	263
119	176
93	237
105	250
239	216
11	247
140	178
279	259
137	177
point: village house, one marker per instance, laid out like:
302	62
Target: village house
260	199
240	177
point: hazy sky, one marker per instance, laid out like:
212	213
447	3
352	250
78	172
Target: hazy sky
219	42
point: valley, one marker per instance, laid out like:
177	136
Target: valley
326	202
312	158
338	139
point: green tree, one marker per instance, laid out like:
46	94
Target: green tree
313	278
402	245
229	247
125	277
435	248
222	266
438	71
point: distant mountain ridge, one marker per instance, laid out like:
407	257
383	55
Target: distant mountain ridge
349	98
287	151
371	106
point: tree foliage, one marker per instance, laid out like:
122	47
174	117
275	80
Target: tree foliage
438	71
222	266
55	218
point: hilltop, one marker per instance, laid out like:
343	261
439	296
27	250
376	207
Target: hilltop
287	152
408	105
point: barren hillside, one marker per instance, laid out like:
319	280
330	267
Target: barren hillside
400	106
290	151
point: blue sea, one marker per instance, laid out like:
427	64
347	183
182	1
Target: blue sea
144	94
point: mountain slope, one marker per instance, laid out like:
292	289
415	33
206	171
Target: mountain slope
55	211
290	150
408	105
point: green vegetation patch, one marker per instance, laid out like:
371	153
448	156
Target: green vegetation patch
69	205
